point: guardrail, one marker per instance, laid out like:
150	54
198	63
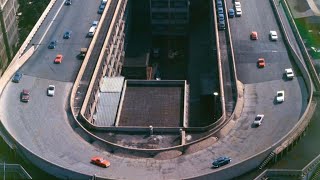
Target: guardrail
14	169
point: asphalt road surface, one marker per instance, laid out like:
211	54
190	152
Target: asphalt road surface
42	124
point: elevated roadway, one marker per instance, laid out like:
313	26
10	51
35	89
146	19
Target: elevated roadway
43	125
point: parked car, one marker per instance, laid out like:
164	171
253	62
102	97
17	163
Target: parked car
261	63
92	30
273	35
67	2
104	1
221	25
17	77
231	13
280	96
58	59
67	35
95	24
221	17
219	3
221	161
52	44
237	4
289	73
99	161
254	35
258	119
238	12
101	8
51	90
25	95
220	10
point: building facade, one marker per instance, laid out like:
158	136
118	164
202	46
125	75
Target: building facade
9	31
169	17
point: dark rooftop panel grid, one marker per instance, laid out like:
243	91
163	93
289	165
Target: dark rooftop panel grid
156	106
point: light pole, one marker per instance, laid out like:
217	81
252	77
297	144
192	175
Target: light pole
215	94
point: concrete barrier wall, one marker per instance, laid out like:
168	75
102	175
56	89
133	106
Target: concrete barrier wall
32	33
98	68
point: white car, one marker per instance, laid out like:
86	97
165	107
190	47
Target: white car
258	120
238	11
95	24
289	73
51	90
280	96
273	35
237	4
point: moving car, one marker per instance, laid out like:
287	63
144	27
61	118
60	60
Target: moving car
51	90
238	12
25	95
221	161
99	161
261	63
254	35
231	13
67	35
101	8
17	77
258	120
67	2
289	73
58	59
280	96
273	35
52	44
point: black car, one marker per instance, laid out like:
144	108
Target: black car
52	44
67	35
17	76
67	2
221	161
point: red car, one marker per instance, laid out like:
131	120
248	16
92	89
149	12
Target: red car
58	59
25	95
99	161
254	35
261	63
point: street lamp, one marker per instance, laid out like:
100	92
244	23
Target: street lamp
215	94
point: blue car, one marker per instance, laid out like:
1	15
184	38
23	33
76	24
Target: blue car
220	10
101	8
219	4
17	77
231	13
221	161
220	17
52	44
67	35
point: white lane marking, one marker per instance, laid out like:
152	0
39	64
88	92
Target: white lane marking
274	51
44	34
